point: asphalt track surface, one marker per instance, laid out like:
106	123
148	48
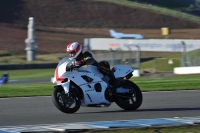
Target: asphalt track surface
40	110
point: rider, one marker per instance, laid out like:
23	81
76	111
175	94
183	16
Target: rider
75	52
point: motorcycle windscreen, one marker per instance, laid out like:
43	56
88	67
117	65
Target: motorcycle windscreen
60	70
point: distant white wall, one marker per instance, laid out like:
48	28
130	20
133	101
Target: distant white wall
168	45
187	70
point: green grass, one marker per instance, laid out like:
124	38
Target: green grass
29	74
157	9
162	65
40	59
26	90
186	82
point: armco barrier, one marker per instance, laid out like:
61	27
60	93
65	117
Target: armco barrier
49	65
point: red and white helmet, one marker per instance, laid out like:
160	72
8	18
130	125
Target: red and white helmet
74	49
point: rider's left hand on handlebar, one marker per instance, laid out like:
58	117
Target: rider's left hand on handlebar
70	68
80	63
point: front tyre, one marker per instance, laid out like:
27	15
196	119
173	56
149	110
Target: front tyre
67	103
129	101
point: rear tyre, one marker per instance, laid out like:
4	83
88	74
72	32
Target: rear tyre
135	99
65	102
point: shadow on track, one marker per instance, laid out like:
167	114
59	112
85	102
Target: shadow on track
168	109
104	112
144	110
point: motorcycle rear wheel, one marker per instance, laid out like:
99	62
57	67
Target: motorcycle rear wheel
63	102
130	103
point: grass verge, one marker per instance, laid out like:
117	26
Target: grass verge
40	59
186	82
29	74
26	90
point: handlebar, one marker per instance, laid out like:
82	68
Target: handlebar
70	68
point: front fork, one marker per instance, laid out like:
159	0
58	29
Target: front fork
66	97
66	86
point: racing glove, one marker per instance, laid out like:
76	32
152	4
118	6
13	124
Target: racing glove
80	63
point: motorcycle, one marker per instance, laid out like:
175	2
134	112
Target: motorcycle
86	86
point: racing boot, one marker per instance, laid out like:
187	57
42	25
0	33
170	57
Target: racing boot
114	82
115	85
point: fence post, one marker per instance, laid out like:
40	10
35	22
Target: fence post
138	57
186	61
122	56
130	58
113	57
155	63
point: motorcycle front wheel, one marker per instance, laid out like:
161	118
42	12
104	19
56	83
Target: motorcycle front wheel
67	103
129	101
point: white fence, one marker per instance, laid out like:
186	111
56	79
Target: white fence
168	45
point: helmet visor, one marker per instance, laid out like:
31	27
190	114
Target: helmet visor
72	54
